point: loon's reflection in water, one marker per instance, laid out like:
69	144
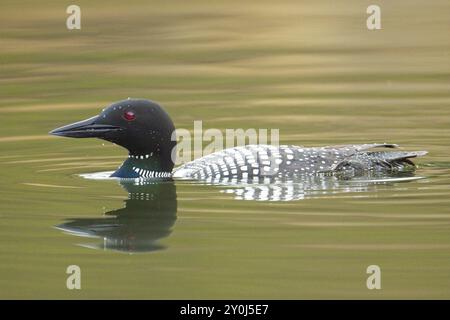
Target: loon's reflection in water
148	216
308	187
150	212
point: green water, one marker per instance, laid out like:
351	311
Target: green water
308	68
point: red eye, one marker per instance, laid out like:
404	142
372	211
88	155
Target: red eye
129	115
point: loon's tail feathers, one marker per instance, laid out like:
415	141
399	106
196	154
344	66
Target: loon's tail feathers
391	160
362	147
396	155
396	160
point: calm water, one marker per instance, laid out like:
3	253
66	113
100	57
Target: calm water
310	69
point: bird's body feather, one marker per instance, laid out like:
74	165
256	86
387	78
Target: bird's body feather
287	161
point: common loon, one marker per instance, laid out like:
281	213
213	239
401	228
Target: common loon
145	130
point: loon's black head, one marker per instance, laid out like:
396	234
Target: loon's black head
141	126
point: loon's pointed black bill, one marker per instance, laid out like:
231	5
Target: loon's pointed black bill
88	128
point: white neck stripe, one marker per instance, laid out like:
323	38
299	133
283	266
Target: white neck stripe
151	174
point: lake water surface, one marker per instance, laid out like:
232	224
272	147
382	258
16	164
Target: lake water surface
308	68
